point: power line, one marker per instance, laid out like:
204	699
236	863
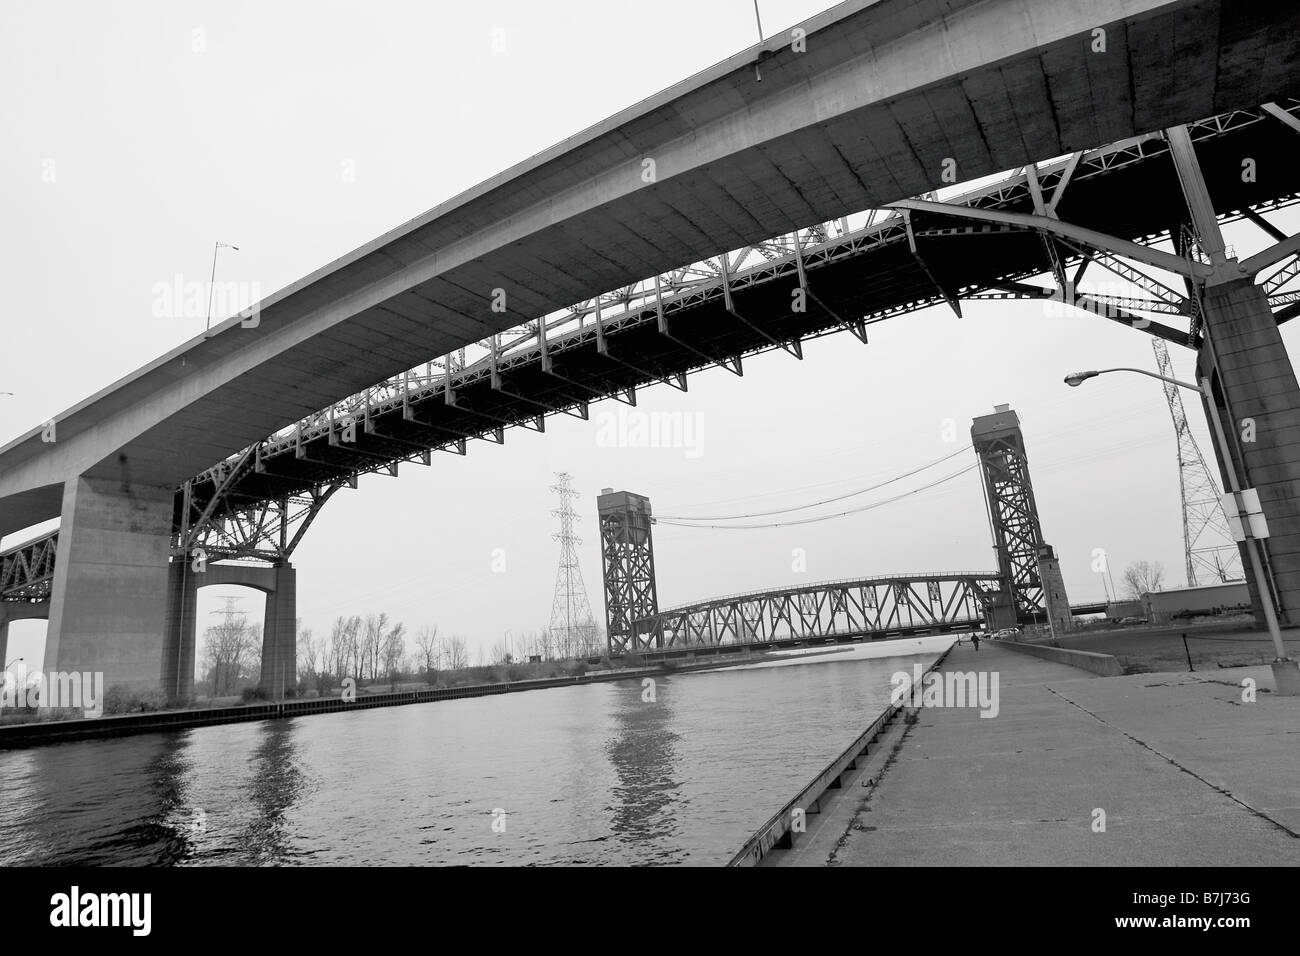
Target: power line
825	501
841	514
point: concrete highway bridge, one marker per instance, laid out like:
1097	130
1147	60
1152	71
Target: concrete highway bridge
721	218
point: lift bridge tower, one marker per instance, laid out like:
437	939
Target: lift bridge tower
627	553
1034	591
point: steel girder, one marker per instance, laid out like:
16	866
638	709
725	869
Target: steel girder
27	571
836	610
267	531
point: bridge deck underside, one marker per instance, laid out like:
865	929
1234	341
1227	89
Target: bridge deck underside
1137	201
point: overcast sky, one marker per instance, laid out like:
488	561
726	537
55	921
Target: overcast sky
136	135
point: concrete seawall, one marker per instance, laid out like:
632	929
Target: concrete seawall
1103	665
779	831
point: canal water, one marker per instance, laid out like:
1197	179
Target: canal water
594	774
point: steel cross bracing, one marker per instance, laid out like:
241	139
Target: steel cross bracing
1017	536
851	272
879	607
627	559
1211	554
27	571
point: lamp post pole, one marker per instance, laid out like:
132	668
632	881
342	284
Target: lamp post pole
212	281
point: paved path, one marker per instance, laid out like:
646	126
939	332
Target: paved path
1186	773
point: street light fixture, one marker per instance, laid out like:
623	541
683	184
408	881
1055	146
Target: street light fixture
1285	682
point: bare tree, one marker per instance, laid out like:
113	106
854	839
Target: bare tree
230	653
309	652
392	652
503	651
1143	576
426	641
457	653
343	646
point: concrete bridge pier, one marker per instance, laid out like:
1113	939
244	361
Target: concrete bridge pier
280	633
109	594
1258	400
180	636
279	626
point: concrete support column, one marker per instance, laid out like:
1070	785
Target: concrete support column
109	605
280	634
179	648
1258	398
4	643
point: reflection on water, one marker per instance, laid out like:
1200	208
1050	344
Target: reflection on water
275	784
588	774
641	753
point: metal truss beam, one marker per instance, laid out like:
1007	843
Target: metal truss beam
27	571
876	607
1065	230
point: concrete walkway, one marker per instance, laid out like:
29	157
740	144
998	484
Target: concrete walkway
1186	773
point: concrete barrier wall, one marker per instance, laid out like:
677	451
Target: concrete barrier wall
1104	665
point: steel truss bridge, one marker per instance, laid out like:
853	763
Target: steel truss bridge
1094	210
829	612
27	571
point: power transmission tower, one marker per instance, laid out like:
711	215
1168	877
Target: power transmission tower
573	629
1212	555
229	632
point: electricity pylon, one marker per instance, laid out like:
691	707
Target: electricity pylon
573	629
1212	555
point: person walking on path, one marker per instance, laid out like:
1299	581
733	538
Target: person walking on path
975	639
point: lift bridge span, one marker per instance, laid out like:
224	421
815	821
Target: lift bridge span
817	182
832	612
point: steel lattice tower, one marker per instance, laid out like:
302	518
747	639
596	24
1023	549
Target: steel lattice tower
628	560
573	629
1207	543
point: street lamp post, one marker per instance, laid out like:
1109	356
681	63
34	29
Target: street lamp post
212	281
1283	663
